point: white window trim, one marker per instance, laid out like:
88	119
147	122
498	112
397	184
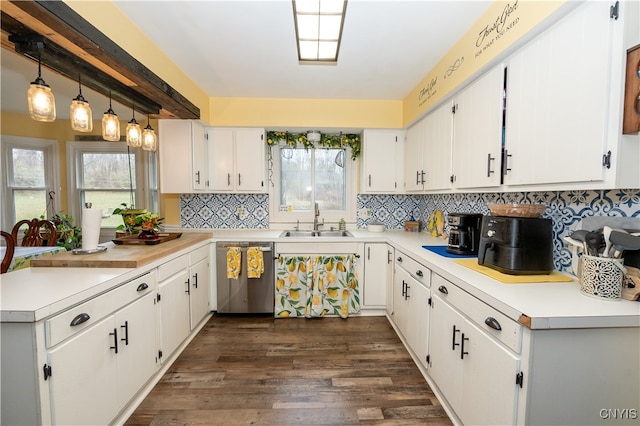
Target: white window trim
287	220
52	172
74	148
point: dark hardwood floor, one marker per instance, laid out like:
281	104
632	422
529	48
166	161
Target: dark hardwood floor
257	370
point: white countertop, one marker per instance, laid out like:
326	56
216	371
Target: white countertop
34	293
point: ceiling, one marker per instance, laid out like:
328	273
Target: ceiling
245	48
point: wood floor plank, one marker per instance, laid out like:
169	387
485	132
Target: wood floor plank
257	370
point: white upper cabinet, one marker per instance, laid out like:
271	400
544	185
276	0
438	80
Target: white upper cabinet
564	102
413	167
181	156
383	157
236	160
437	151
477	134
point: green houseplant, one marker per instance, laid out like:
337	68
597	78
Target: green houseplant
69	235
137	221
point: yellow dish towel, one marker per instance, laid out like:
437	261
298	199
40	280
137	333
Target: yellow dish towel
234	257
255	262
513	279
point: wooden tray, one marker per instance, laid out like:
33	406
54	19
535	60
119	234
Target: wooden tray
133	239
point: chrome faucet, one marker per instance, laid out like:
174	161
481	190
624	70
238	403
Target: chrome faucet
315	218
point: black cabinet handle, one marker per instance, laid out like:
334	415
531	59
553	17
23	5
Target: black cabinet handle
228	179
443	289
489	160
239	180
404	289
79	319
493	323
198	177
195	280
417	177
453	338
419	273
115	340
126	333
422	174
369	180
142	287
406	294
188	282
462	351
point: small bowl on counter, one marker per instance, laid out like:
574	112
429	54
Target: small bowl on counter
517	210
375	227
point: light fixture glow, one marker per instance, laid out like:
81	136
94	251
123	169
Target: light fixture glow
42	104
149	138
314	136
110	125
80	112
134	132
319	29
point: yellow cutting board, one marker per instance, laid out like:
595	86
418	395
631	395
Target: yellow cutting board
513	279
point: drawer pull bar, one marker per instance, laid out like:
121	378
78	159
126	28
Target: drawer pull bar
79	319
142	287
188	290
126	333
443	289
462	352
404	290
453	338
115	340
493	323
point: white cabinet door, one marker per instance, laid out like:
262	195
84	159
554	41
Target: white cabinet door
477	134
377	271
83	386
174	312
418	319
199	294
413	167
382	156
137	358
438	128
174	156
250	160
556	111
390	286
199	168
401	279
221	159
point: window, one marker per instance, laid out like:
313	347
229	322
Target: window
108	174
306	177
30	179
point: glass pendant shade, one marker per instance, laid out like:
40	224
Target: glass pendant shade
134	134
80	113
149	139
42	104
110	125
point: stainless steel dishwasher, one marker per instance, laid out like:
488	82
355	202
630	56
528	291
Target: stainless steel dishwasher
245	295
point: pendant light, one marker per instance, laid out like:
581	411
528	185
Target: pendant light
149	138
80	112
42	104
134	132
110	124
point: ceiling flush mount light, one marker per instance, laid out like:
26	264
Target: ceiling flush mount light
110	125
80	112
149	138
134	134
42	104
318	26
313	136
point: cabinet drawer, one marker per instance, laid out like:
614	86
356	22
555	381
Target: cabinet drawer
418	271
84	315
198	254
172	267
510	332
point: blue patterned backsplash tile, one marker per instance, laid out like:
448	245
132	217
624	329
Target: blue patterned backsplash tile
231	211
567	209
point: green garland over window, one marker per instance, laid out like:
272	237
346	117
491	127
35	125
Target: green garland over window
326	141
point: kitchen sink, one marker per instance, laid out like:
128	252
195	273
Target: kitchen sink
303	234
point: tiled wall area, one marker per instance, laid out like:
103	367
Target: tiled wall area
567	209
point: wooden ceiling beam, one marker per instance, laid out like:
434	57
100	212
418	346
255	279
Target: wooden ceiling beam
77	43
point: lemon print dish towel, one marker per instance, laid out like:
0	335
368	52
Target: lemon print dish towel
255	262
234	257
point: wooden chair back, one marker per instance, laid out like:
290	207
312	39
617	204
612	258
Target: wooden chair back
40	232
10	244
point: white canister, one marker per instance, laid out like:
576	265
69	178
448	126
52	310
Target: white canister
601	277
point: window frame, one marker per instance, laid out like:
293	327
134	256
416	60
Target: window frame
75	149
52	173
305	218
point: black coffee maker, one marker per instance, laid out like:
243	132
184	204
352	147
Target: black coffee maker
464	233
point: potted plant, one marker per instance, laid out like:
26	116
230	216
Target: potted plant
69	235
138	222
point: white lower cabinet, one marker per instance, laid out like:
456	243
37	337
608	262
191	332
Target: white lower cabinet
95	371
411	295
378	270
199	280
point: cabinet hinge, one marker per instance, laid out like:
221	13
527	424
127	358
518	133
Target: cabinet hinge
158	297
606	160
429	301
452	178
454	108
159	354
262	137
206	136
520	379
614	11
428	359
46	369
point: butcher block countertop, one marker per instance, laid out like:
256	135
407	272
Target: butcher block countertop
122	256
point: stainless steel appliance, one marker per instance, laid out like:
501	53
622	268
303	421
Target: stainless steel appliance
464	232
245	295
516	246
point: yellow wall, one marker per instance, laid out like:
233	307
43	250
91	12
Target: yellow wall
312	113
